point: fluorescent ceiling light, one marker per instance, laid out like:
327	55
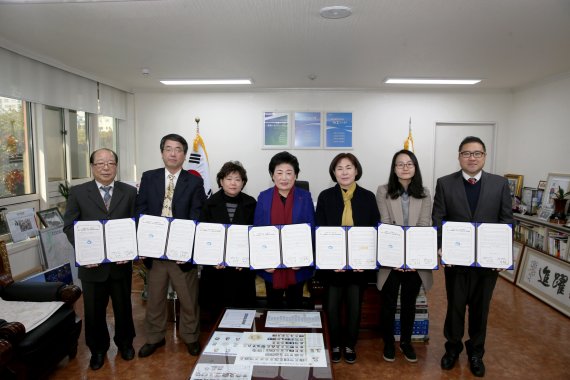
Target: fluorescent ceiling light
430	81
198	82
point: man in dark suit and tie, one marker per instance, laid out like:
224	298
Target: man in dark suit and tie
171	192
469	195
103	199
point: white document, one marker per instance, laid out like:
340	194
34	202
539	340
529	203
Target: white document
495	245
180	240
297	245
121	239
362	247
391	245
458	243
211	371
223	343
209	244
330	250
151	235
89	242
237	246
293	319
421	248
264	247
237	319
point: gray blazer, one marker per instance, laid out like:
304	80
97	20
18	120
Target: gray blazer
391	213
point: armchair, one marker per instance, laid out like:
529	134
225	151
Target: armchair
33	354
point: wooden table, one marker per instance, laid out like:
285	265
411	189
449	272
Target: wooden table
276	372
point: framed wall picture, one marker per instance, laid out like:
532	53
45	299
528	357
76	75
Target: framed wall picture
544	276
515	184
541	185
276	130
307	133
22	224
50	217
554	181
338	132
510	275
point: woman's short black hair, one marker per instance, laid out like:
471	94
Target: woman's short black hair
174	137
284	158
349	156
231	167
416	187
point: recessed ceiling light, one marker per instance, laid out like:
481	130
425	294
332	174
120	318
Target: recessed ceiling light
430	81
335	12
198	82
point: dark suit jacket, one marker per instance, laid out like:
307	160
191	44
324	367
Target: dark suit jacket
187	200
450	201
86	203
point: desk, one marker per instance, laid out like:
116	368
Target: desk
275	372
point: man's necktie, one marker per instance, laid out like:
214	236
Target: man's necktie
107	195
167	204
472	180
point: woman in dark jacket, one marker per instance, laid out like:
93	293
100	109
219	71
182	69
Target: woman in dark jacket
220	286
345	204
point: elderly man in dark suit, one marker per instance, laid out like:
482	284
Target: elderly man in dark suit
469	195
171	192
100	199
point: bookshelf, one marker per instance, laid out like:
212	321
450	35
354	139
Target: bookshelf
545	237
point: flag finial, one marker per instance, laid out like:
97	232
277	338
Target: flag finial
197	120
409	142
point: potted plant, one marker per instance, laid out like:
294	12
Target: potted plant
559	215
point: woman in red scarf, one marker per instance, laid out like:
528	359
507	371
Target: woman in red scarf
284	204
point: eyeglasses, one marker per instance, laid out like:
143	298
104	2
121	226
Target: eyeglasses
401	165
476	154
175	150
100	165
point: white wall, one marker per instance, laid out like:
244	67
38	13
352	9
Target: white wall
231	125
539	135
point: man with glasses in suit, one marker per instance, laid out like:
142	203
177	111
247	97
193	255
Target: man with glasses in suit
469	195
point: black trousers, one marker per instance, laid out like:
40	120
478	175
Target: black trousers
410	283
293	296
227	287
351	294
473	288
95	300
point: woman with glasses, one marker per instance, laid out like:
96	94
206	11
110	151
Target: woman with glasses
220	286
345	204
402	201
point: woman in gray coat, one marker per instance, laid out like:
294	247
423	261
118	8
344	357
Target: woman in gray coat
405	202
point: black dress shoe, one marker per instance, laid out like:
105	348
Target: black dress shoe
149	348
127	353
476	366
194	348
96	361
448	360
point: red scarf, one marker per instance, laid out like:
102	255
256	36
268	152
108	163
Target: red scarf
282	214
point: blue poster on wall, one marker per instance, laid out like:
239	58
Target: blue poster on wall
276	130
339	130
307	129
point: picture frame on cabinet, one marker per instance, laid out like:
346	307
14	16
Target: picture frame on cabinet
515	184
541	185
537	275
554	181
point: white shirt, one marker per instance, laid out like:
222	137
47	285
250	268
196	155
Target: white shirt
477	176
166	180
102	192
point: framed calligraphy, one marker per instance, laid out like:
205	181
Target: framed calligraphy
546	278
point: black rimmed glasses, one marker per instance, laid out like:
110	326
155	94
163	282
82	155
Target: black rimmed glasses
476	154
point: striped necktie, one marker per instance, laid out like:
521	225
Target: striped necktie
107	195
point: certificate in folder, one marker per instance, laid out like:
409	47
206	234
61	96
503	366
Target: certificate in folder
345	247
221	244
488	245
105	241
281	246
165	238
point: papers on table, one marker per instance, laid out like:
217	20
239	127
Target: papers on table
203	371
293	319
223	343
407	247
99	242
281	246
488	245
282	349
237	319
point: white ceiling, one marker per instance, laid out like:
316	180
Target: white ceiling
280	43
